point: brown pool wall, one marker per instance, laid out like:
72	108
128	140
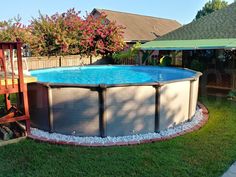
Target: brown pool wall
112	110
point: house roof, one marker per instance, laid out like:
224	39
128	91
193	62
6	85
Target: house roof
139	27
214	31
217	25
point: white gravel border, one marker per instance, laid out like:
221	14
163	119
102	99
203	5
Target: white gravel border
121	139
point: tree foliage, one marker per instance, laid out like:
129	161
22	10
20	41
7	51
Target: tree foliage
66	33
57	34
12	29
100	37
211	6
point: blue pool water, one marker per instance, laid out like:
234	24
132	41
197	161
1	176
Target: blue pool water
111	74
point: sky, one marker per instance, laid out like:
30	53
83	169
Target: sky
183	11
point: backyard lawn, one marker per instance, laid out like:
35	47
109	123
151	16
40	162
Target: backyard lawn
207	152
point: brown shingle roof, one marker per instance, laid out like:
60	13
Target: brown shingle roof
139	27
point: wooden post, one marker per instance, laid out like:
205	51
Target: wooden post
60	61
22	86
140	58
7	101
20	67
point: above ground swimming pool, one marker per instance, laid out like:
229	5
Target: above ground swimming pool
112	100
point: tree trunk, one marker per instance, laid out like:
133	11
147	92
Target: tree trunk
91	59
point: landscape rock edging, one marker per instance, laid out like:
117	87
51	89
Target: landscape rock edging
199	125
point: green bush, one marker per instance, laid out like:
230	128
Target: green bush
131	54
119	57
197	65
165	61
232	95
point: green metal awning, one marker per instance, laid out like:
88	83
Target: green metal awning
200	44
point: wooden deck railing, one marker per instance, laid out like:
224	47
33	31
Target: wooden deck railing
12	81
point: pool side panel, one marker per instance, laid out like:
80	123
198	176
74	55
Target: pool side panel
174	104
130	110
193	97
75	111
38	106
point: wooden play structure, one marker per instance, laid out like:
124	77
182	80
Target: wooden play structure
12	83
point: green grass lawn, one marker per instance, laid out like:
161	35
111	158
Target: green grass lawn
207	152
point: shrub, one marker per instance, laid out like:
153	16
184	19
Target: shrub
121	56
165	61
232	95
130	54
197	65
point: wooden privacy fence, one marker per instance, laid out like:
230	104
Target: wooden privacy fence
61	61
128	62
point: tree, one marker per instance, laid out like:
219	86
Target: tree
210	7
100	37
57	34
13	29
66	33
